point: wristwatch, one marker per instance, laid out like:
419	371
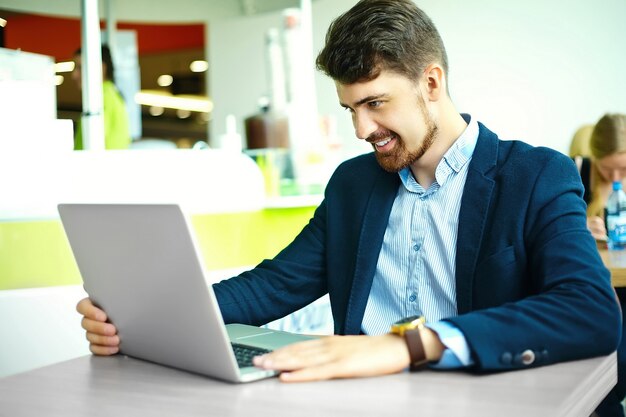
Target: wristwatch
410	328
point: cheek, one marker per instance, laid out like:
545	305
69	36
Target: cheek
409	123
605	175
394	122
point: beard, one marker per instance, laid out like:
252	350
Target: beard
400	157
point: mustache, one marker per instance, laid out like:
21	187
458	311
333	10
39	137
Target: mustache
380	135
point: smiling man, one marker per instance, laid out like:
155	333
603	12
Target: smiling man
390	113
444	247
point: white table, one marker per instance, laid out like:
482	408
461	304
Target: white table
121	386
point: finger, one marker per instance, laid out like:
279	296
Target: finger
318	373
284	362
98	339
103	350
296	356
87	309
98	327
596	223
331	370
597	226
596	231
342	368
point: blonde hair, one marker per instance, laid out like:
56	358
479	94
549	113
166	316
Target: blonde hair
580	142
607	138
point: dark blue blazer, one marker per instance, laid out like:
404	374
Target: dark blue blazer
528	274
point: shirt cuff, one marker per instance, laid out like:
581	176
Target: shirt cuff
457	353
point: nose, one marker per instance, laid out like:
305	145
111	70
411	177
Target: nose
364	125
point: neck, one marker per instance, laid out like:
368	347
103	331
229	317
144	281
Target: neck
450	127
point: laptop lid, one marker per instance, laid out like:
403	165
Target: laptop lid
139	262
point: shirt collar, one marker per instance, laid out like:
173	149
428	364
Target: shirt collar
453	160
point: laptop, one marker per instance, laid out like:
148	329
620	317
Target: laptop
140	263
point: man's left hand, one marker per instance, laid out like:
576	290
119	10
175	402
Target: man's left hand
338	357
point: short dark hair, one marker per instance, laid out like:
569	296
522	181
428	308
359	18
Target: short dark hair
377	35
107	60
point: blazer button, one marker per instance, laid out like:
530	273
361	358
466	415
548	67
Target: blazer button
506	358
528	357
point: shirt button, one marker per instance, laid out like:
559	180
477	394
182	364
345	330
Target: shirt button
412	298
416	247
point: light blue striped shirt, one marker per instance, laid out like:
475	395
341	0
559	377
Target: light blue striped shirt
415	273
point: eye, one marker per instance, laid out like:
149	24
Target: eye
348	109
374	104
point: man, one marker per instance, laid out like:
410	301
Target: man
116	123
485	238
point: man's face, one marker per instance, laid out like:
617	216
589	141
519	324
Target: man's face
390	113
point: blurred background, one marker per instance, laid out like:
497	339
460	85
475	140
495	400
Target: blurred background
530	70
162	49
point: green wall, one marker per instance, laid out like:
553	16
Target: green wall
37	254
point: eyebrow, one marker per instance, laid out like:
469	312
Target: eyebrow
366	99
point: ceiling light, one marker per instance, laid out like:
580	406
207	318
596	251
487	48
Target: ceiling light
165	80
199	66
160	99
183	114
156	111
67	66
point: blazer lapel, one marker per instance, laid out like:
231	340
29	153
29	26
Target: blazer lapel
370	241
473	214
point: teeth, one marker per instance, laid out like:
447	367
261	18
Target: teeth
383	143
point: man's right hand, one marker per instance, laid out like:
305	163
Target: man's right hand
102	336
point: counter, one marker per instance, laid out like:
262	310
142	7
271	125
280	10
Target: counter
222	192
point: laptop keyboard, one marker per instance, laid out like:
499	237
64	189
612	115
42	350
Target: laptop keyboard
244	354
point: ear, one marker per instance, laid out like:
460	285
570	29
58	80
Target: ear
434	82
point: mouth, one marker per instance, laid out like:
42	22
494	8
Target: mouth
385	144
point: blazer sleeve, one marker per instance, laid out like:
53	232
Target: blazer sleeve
275	288
571	312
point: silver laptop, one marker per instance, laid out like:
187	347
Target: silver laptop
140	263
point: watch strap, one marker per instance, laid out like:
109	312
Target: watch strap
417	353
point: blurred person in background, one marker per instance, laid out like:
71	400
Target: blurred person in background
580	153
607	163
579	147
116	124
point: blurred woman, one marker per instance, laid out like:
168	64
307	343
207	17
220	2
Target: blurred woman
116	124
606	165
